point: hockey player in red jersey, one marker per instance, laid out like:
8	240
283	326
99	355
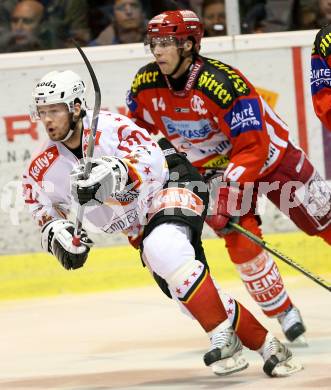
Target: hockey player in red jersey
210	111
144	190
320	76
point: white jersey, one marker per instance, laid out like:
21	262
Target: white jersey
47	179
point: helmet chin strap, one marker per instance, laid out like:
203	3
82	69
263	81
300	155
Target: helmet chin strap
69	134
179	63
72	126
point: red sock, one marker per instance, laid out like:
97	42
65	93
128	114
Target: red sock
250	331
205	304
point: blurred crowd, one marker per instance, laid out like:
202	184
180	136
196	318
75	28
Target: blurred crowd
50	24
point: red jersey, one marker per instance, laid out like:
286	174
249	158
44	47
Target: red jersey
218	119
320	75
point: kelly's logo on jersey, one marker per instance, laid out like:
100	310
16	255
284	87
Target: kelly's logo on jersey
244	116
175	197
320	75
187	129
40	164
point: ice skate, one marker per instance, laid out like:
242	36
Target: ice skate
225	356
278	359
293	326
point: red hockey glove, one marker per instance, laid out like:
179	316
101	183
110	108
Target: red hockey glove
226	208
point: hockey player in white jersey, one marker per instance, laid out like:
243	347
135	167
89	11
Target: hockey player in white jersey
154	196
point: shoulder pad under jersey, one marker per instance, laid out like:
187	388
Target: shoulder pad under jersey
149	76
322	44
221	83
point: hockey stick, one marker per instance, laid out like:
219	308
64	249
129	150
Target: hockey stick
279	255
91	141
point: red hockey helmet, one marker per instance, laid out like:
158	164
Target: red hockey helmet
180	24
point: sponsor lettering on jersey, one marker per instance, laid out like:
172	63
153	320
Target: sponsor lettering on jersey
238	83
175	197
272	157
144	78
124	197
324	44
182	110
121	223
208	83
223	147
41	164
217	162
244	116
187	129
320	75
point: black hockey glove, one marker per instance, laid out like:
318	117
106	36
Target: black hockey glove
56	238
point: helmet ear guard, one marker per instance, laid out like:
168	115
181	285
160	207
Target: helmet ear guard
187	44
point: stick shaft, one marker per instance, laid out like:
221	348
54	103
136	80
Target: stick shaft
91	142
317	279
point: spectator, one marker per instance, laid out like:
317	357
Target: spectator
252	21
25	28
67	19
246	5
281	15
127	24
314	14
325	10
99	15
213	18
6	8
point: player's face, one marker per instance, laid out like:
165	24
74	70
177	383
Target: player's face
166	54
56	119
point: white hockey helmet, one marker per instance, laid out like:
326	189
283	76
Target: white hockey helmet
58	87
